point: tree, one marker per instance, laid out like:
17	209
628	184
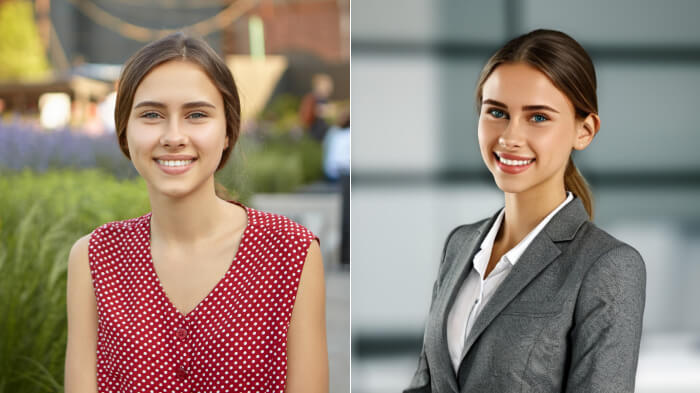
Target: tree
22	55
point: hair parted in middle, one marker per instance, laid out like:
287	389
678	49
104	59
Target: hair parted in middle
178	47
571	70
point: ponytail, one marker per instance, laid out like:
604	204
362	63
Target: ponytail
574	182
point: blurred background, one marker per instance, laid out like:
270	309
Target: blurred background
62	174
417	172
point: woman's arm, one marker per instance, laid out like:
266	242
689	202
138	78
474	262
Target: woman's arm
608	324
81	363
307	354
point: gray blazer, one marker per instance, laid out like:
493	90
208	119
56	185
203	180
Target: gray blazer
568	318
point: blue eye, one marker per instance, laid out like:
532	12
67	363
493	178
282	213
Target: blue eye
198	115
150	115
538	118
496	113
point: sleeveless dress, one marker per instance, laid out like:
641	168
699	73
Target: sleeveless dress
234	340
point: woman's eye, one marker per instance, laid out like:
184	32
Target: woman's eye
538	118
150	115
497	113
197	115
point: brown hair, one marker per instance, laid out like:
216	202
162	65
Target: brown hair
569	67
178	46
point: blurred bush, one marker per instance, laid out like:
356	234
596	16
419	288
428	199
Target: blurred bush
42	215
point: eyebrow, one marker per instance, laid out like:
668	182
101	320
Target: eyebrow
525	107
187	105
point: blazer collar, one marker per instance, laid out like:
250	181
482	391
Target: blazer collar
567	221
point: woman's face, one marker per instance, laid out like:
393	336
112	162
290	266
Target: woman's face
527	128
177	129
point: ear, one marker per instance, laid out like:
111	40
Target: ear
226	146
586	130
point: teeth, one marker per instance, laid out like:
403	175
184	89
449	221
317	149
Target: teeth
173	163
514	162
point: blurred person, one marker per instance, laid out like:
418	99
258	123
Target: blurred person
197	294
336	149
315	106
535	298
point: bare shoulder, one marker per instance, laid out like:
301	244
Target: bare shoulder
78	257
314	261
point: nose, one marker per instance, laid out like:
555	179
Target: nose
173	135
512	136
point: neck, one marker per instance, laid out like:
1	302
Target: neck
190	219
523	211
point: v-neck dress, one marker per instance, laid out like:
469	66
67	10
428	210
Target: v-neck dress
234	340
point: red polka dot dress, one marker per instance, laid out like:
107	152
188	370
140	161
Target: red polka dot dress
233	341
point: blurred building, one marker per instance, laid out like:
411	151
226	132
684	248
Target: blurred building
417	172
313	34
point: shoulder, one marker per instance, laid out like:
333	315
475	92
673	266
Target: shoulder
613	269
599	247
278	226
118	228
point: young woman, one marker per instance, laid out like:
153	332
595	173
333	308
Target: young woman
201	294
535	298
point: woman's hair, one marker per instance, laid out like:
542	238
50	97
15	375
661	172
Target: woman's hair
569	67
178	46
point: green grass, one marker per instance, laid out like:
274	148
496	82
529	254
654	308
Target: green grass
41	217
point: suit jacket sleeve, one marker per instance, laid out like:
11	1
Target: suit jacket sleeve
608	324
420	383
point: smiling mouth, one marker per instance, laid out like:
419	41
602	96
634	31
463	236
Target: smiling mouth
175	163
508	162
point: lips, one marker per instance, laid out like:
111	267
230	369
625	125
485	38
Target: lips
175	164
512	164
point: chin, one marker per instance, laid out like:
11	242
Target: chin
174	192
512	186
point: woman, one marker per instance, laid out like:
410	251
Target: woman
198	294
535	298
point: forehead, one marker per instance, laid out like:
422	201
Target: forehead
177	82
519	84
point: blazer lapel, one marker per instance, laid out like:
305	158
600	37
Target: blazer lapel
539	254
453	278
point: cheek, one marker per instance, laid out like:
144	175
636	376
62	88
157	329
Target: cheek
487	134
138	139
556	143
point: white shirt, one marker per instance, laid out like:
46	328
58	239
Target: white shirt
476	291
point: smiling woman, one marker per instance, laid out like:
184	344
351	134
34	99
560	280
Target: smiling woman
535	298
201	294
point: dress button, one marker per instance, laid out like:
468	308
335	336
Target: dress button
180	373
181	333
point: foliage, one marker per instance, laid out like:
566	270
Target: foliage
41	216
21	53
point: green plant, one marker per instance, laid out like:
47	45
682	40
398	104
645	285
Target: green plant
41	217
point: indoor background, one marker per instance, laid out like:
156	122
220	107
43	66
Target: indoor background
417	172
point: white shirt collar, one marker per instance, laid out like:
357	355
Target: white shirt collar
513	254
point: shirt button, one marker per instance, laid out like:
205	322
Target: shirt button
181	373
181	333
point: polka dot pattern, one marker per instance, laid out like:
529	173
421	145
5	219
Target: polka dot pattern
234	340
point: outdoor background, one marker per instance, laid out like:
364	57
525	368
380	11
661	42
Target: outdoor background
62	174
417	172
